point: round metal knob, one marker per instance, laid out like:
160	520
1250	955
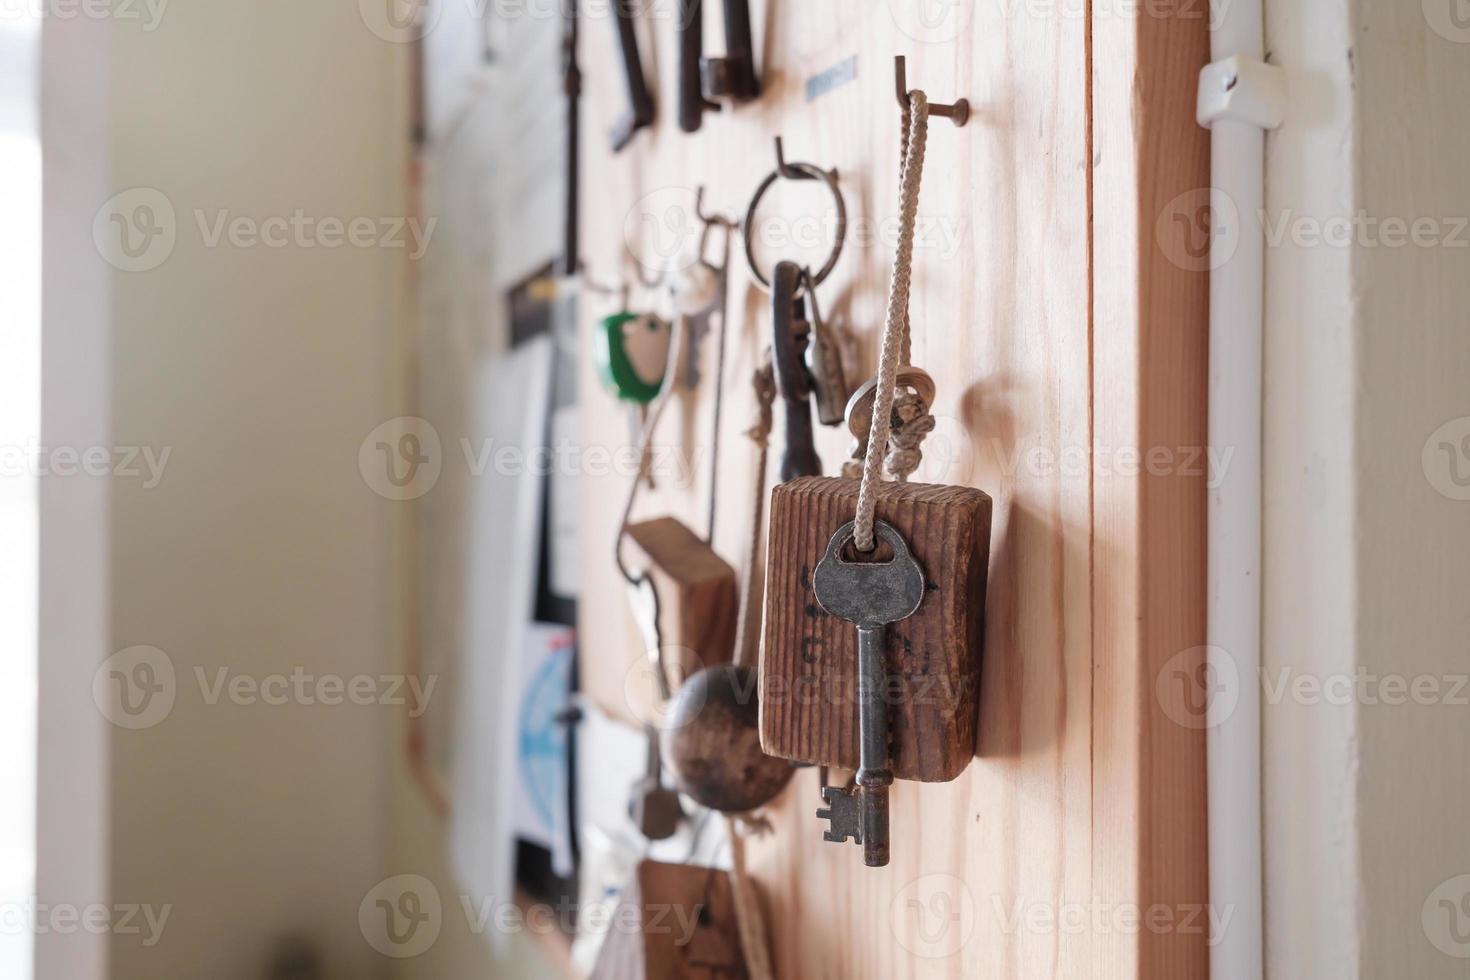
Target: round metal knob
713	743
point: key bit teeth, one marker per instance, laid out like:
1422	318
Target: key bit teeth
842	815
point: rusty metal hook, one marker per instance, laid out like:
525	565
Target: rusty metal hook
710	217
799	171
959	111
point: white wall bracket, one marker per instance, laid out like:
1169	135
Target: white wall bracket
1241	90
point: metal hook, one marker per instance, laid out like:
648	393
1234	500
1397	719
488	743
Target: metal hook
654	282
710	218
711	221
622	290
796	171
959	111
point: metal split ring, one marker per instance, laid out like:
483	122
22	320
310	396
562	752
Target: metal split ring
796	171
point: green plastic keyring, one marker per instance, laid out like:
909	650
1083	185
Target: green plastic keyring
631	352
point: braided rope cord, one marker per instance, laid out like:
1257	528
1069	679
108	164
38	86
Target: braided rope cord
896	341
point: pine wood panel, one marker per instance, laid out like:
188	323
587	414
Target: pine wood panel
1082	801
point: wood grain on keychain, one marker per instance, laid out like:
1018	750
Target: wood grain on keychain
809	703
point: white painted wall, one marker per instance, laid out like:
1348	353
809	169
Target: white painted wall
1366	564
263	549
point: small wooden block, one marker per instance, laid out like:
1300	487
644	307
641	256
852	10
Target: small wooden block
697	593
674	922
808	683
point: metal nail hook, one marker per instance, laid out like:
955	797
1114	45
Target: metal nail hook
797	171
711	217
959	111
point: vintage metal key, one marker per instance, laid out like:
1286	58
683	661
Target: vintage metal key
870	595
788	346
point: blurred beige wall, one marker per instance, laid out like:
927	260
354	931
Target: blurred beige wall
262	550
1367	500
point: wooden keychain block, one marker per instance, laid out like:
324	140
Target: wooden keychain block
808	676
697	593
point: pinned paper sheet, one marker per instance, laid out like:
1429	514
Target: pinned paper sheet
513	400
543	784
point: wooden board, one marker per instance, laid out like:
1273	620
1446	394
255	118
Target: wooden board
1150	377
809	701
697	596
1058	336
686	927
